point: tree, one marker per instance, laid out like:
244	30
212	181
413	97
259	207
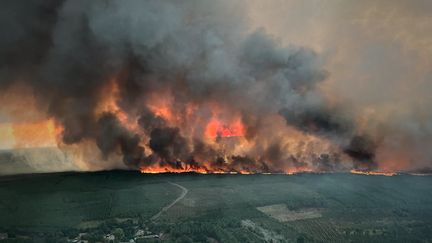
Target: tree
118	233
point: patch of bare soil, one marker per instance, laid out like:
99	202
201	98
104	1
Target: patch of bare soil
281	213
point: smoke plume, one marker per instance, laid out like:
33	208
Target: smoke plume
175	85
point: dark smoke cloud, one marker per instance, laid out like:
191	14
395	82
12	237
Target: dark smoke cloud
318	120
26	36
203	51
362	149
337	126
169	144
112	136
149	121
244	163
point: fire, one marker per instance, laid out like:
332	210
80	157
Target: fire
158	169
296	152
382	173
217	128
293	171
208	170
162	105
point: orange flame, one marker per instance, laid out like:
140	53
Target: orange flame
207	170
216	128
158	169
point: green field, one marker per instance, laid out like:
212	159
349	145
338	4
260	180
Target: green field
217	208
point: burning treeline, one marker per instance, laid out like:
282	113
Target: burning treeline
175	86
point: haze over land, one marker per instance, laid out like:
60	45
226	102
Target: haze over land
216	86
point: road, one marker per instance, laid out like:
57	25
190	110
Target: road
182	195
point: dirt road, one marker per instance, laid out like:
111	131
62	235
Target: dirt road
182	195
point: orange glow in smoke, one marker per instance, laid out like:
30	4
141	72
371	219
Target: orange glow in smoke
161	105
163	110
44	133
26	125
110	94
216	128
37	134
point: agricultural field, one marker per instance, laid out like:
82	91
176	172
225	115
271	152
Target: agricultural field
215	208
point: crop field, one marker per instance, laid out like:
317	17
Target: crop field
72	200
218	208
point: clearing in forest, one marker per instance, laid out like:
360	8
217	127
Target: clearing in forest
281	213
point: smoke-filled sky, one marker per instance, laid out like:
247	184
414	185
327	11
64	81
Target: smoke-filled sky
379	55
248	86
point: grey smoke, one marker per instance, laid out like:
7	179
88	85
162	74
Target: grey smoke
201	50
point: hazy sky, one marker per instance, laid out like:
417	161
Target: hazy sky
379	56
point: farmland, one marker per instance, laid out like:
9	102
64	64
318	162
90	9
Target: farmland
217	208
